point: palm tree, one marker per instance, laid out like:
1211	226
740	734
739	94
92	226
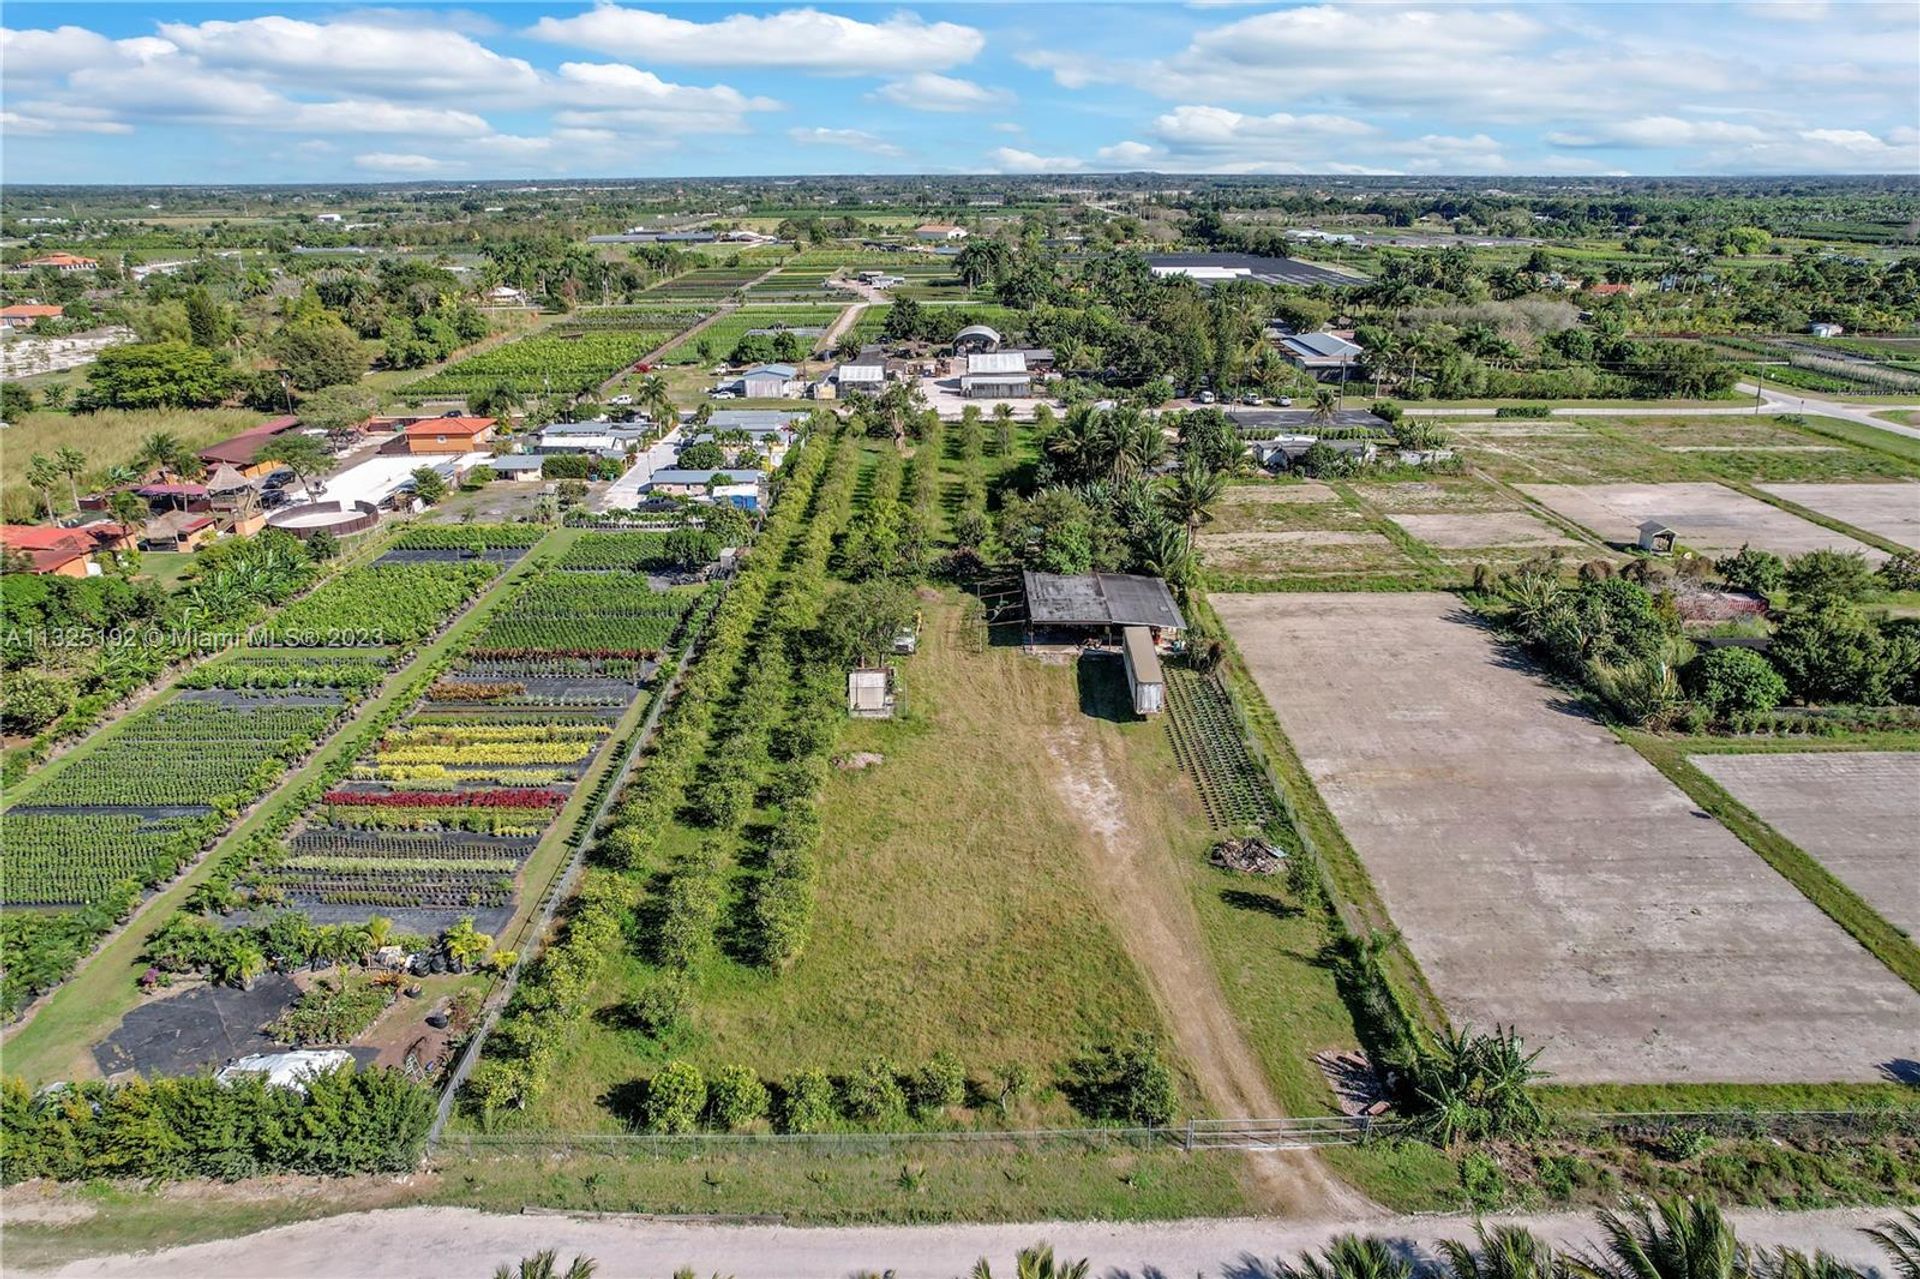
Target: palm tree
128	511
120	476
1326	403
1348	1257
1037	1262
1191	493
1168	552
1900	1238
162	451
545	1264
465	945
1667	1239
650	397
71	462
1505	1252
1791	1263
43	473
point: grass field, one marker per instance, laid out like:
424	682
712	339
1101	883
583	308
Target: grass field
953	912
111	437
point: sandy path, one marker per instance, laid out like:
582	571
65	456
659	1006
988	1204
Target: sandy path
460	1243
1156	922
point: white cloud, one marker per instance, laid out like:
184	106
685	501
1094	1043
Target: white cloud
412	61
925	91
853	139
1009	126
804	39
1131	155
1658	131
395	162
612	93
37	119
1014	160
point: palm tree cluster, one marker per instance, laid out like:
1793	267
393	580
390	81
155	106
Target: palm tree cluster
1104	481
1662	1239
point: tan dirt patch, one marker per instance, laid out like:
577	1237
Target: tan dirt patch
1466	532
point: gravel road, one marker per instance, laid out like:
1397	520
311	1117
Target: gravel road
459	1243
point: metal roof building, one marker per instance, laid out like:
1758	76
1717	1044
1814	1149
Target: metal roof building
1100	599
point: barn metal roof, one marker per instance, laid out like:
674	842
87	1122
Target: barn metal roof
1101	599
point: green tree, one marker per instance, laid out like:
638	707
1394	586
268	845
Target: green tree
16	401
704	455
650	396
208	323
1832	653
1821	577
1500	1252
72	463
29	701
1734	681
735	1098
546	1265
318	352
807	1105
428	485
305	455
1754	571
336	408
1037	1262
42	474
157	375
1899	1237
1348	1257
1190	494
1667	1239
675	1098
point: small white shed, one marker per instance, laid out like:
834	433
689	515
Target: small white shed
870	692
1145	680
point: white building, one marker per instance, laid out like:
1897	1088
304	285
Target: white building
939	232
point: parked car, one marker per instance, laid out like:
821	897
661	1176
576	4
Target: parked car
721	393
1285	401
1205	397
1250	398
621	399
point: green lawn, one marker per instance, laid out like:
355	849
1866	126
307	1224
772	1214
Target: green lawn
953	909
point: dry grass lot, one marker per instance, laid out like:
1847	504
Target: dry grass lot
1891	510
1544	874
1464	532
1857	811
1709	518
1282	530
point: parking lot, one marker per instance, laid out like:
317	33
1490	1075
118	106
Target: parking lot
1547	877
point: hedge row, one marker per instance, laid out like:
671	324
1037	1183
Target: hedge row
343	1121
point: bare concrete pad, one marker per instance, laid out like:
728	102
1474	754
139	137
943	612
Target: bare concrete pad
1858	812
1710	518
1465	532
1548	877
1891	510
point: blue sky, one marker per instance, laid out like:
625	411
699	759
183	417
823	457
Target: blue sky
304	92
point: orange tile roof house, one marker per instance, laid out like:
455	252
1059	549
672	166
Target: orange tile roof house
1611	290
63	552
449	434
24	314
62	262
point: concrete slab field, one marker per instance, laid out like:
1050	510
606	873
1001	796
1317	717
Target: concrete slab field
1856	812
1464	532
1709	518
1891	510
1545	875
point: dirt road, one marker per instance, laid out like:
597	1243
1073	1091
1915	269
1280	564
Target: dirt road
1131	868
459	1243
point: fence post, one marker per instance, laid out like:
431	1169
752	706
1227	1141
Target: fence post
1189	1144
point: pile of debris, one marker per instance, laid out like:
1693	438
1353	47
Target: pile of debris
1360	1089
1249	856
